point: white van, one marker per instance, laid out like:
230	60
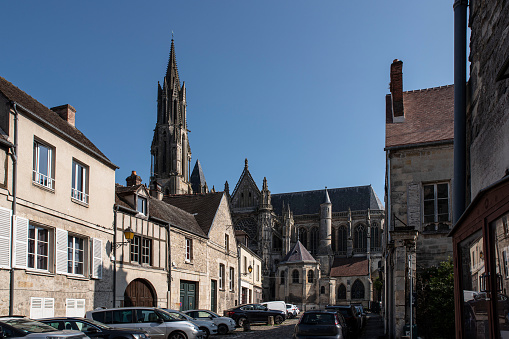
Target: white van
276	305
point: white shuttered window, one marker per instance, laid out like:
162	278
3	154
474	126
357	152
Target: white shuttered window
42	307
97	260
21	242
5	238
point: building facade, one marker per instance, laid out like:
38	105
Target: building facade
250	274
56	198
336	227
419	170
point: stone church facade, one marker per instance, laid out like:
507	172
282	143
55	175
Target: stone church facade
317	247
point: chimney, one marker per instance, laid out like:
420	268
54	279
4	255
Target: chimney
396	86
155	190
133	179
66	112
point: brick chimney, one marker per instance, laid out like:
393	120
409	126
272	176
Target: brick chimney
133	179
155	190
398	113
66	112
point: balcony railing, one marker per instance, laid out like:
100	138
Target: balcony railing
44	180
359	250
80	196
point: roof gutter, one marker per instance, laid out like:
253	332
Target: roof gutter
103	159
460	108
421	144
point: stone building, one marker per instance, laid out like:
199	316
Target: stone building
481	231
250	272
419	170
330	229
183	254
56	199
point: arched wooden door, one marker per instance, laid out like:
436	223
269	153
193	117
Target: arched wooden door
139	292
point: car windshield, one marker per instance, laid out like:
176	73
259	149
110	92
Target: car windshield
29	326
98	324
172	316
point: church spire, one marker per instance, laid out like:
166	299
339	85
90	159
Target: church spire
171	70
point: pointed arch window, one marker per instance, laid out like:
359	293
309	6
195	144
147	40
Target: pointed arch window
341	292
303	236
375	237
360	239
295	276
282	277
342	237
334	240
358	290
310	276
314	240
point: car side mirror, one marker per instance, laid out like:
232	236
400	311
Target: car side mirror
210	317
160	320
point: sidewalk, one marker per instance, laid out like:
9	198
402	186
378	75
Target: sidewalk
374	328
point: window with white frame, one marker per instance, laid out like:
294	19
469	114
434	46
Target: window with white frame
38	247
79	182
436	202
232	273
221	276
75	255
142	205
189	249
43	165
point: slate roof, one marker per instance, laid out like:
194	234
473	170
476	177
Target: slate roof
429	117
308	202
203	206
161	210
348	267
298	254
67	131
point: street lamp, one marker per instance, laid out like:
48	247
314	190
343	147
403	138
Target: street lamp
128	235
249	270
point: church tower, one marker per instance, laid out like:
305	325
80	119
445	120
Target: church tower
170	151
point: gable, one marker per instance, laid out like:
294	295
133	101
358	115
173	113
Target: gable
246	194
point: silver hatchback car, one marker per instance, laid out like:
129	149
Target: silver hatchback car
158	323
21	327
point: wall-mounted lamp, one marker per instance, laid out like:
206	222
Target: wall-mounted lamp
249	270
128	235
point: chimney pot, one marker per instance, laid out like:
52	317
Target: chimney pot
133	179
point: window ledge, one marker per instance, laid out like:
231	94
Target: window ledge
45	188
37	272
188	262
79	202
77	277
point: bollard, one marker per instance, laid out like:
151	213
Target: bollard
246	326
271	321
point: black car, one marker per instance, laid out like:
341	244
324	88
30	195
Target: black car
322	324
351	318
254	313
21	327
94	329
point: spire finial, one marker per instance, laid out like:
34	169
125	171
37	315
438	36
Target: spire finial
172	35
245	163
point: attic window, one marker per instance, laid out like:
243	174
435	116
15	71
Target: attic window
142	205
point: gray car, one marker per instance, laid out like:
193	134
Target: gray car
319	324
21	327
224	324
206	326
158	323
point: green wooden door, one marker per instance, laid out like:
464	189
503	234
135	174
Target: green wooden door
213	296
187	295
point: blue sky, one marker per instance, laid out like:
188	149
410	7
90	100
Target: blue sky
297	87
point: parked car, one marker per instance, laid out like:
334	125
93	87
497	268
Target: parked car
224	324
206	325
292	311
322	324
254	313
276	305
351	318
94	329
361	314
21	327
158	323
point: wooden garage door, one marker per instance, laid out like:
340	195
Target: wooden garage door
139	293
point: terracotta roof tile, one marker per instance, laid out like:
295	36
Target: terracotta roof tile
348	267
429	117
13	93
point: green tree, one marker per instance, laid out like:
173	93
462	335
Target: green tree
435	301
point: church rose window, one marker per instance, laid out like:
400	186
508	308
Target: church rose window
358	290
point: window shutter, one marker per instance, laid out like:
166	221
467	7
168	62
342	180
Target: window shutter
97	260
36	308
21	242
414	206
61	250
80	308
5	238
49	308
70	307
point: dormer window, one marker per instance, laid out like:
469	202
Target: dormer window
142	205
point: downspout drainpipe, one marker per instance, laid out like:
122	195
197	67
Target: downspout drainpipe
168	260
114	247
460	107
14	156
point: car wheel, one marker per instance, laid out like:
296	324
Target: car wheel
206	330
278	319
222	329
177	335
241	321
